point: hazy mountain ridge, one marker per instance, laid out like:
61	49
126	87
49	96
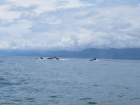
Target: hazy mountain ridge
127	53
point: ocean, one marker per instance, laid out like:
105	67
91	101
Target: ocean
69	81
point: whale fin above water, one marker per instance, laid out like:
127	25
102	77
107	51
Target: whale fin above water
39	58
54	58
93	59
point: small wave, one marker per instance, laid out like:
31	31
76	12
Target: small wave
85	98
3	84
1	61
64	59
29	98
53	96
2	78
92	103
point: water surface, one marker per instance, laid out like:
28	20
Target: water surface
29	81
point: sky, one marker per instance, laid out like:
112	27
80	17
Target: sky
69	24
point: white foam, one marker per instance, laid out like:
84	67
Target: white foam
64	59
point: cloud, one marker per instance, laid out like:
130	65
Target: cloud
61	3
69	24
21	8
31	16
119	23
112	3
2	2
4	23
44	27
89	14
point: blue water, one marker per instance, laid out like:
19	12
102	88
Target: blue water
29	81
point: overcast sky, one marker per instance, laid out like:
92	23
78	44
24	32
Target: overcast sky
69	24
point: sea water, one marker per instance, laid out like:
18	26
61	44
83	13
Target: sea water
71	81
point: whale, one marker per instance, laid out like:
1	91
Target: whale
93	59
54	58
39	58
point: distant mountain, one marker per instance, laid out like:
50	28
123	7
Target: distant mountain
127	53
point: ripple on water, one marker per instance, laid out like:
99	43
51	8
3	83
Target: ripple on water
30	99
17	100
1	79
1	61
57	96
53	96
4	83
135	99
7	103
92	103
85	98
